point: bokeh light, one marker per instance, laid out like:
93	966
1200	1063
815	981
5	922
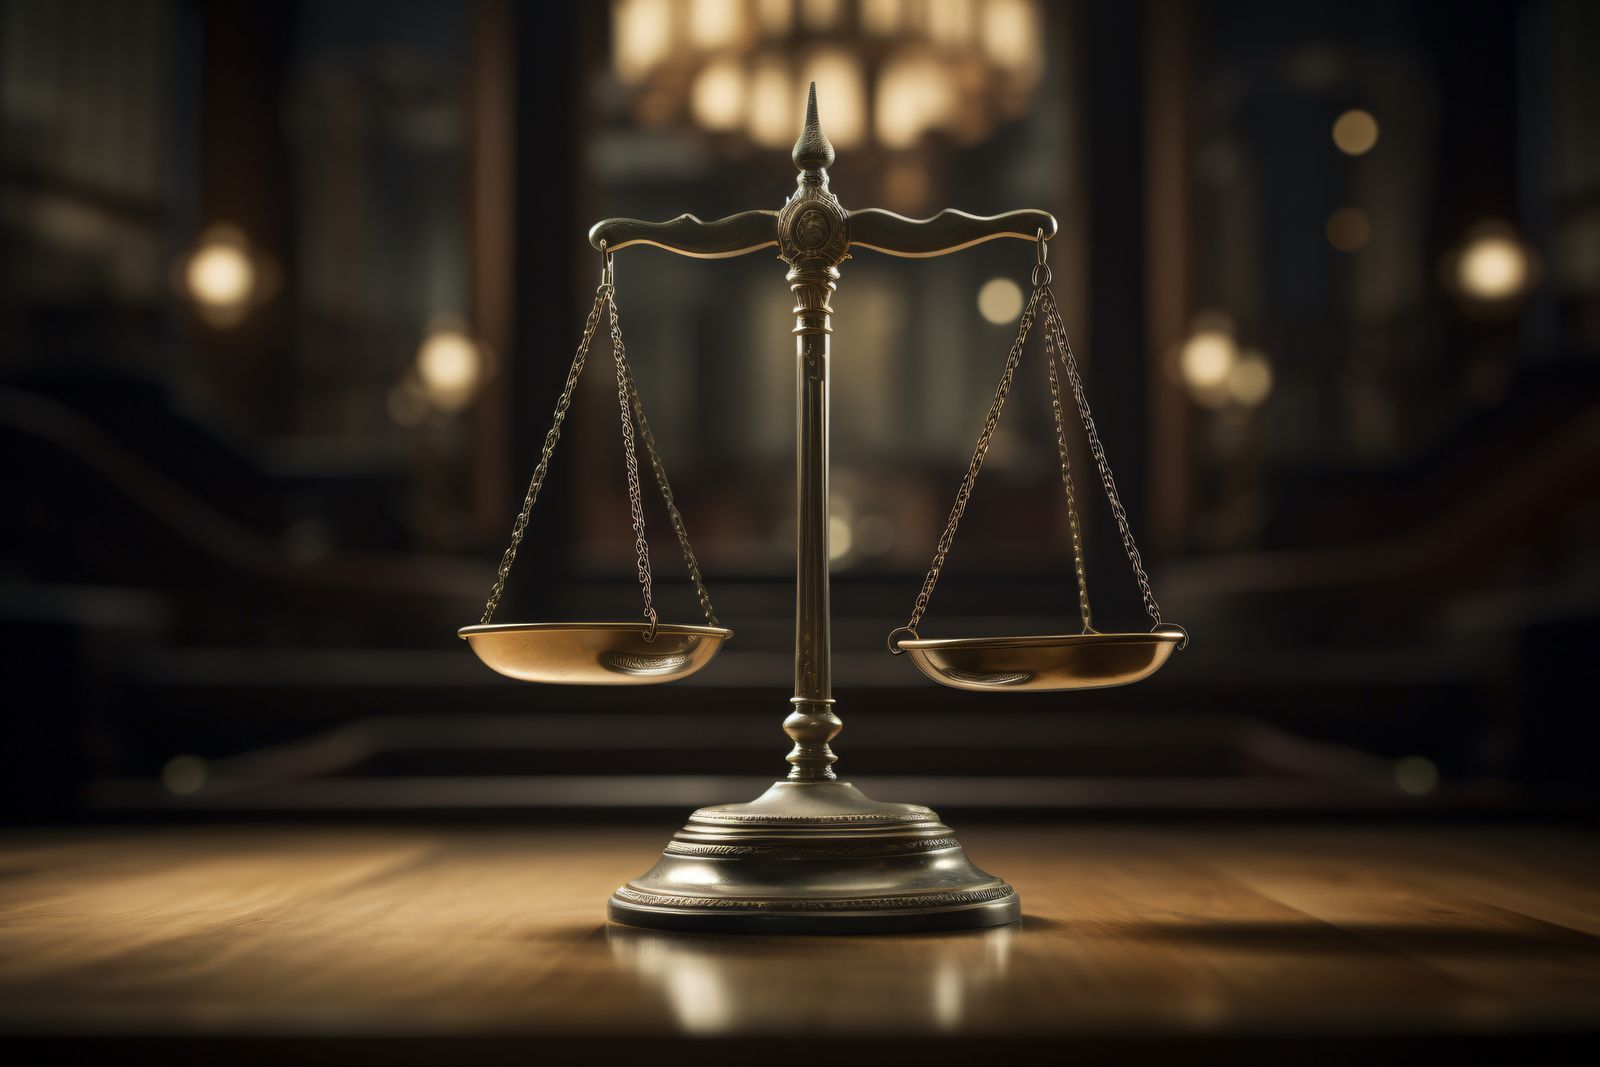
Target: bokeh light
1355	132
1250	380
1000	301
1207	358
1492	267
449	367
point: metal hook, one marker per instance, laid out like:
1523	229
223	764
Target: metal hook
895	638
1183	634
608	270
1041	266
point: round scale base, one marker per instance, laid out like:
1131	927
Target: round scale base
816	858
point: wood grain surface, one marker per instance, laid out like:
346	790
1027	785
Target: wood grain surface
396	932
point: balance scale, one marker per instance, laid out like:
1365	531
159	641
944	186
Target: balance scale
814	854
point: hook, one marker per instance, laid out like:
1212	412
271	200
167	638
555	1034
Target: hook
1041	266
608	270
1168	627
895	638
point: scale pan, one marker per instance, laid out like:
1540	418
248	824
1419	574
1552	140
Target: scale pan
594	653
1036	664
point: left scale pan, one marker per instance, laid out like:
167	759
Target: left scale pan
602	653
594	653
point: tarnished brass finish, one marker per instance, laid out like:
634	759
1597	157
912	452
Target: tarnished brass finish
594	653
814	857
1041	663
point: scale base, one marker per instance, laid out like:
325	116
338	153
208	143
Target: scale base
814	858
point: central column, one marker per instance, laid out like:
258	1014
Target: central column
813	238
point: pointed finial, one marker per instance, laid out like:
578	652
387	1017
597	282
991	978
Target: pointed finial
812	152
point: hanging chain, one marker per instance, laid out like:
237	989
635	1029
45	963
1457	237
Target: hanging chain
1057	346
964	494
601	296
632	410
648	440
1041	280
630	390
1066	477
1053	324
635	504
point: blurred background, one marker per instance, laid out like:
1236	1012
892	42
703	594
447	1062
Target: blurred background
289	291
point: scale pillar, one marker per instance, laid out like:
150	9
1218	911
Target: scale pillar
813	239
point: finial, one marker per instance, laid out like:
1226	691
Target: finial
812	152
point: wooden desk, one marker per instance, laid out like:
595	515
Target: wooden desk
486	939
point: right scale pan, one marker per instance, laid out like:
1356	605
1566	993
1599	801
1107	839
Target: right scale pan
1042	663
1088	659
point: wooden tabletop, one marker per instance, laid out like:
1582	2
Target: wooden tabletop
1174	933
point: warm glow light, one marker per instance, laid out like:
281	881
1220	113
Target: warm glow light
1492	267
820	14
1250	380
220	275
449	366
1000	300
717	98
1207	359
841	96
641	37
881	17
774	16
1010	35
1348	229
770	113
913	97
839	537
893	70
715	23
1355	132
950	21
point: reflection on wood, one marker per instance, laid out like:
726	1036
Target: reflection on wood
390	932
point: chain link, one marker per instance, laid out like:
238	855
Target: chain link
1066	477
648	440
518	528
964	494
1054	325
635	504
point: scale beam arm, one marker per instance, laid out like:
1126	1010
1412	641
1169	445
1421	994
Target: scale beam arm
736	235
948	231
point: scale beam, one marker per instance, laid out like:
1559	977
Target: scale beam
948	231
873	228
736	235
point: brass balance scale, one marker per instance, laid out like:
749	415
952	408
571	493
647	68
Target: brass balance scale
813	854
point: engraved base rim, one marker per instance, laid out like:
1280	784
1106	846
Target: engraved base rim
997	912
814	858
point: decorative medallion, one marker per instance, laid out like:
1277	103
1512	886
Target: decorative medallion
812	227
